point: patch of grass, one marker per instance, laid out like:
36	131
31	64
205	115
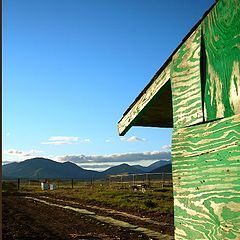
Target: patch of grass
150	204
155	199
9	186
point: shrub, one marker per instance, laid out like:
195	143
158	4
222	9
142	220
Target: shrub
150	204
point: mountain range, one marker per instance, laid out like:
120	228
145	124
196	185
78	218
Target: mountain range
47	168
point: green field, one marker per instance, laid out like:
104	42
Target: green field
156	198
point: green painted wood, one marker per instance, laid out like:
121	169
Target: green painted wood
128	120
186	82
221	43
206	178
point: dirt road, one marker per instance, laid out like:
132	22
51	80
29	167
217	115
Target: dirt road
34	217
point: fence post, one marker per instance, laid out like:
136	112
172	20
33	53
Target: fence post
164	180
72	182
18	183
146	180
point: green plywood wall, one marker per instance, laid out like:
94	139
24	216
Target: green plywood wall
206	176
186	82
205	71
205	82
221	43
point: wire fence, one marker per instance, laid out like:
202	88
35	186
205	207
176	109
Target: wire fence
147	179
122	181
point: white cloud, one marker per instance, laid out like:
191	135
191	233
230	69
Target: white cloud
60	138
97	162
132	139
87	140
14	152
63	140
57	142
93	161
13	155
101	162
101	166
136	139
117	157
166	147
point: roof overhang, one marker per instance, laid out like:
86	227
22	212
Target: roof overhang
153	107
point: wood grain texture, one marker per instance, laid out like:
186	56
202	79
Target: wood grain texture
128	120
221	36
206	178
186	82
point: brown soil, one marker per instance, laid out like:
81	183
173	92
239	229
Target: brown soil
165	218
28	219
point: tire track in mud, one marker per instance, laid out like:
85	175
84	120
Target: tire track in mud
112	211
106	219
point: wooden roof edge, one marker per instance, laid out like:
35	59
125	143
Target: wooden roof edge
130	117
161	69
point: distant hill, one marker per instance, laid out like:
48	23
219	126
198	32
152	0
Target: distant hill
122	168
166	168
46	168
153	166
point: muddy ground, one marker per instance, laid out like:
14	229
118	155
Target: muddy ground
26	218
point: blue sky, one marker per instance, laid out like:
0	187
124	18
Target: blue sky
72	67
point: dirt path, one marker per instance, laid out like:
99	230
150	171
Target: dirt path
112	220
156	225
28	218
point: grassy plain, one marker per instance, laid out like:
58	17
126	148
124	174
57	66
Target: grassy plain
113	195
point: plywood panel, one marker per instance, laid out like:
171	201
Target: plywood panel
186	83
206	175
221	40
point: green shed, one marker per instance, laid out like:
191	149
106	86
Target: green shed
197	93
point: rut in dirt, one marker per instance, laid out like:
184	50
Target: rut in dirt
106	219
